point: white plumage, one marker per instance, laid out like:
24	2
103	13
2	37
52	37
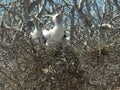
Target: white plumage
35	34
56	34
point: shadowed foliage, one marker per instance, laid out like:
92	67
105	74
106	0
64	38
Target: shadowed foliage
89	60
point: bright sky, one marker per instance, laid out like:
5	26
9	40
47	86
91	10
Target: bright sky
98	1
5	1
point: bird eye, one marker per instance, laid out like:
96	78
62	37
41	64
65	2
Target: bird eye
57	16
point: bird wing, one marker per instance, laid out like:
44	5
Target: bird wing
46	33
35	34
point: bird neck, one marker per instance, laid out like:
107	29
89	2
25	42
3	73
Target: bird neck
58	23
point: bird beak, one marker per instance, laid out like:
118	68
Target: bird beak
61	12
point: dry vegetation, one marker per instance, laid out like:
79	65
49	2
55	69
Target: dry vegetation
90	60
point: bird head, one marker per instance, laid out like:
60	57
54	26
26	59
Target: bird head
57	17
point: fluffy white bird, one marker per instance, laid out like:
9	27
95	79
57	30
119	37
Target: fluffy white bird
35	34
56	34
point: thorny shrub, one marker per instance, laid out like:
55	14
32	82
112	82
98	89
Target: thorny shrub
27	65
